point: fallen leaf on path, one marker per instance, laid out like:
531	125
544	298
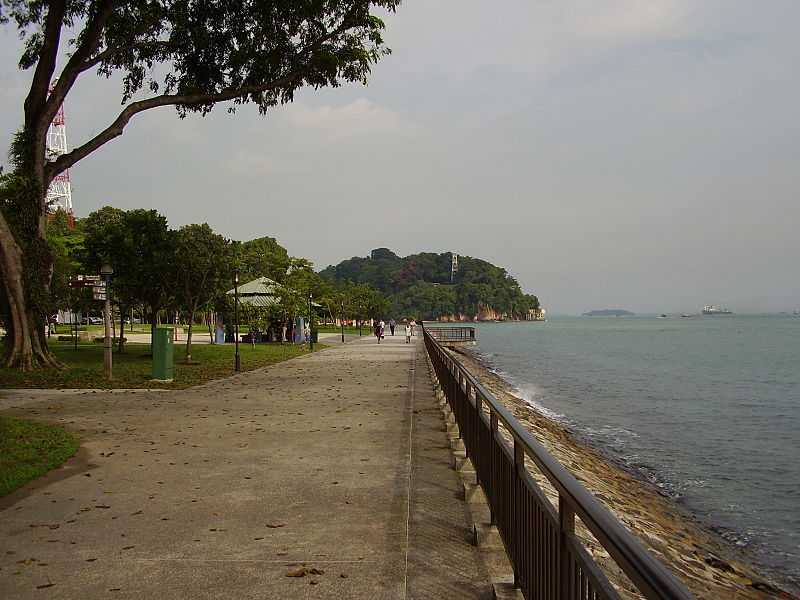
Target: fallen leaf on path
275	525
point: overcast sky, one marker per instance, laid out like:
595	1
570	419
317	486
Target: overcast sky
640	154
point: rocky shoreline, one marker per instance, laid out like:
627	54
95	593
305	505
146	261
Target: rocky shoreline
708	565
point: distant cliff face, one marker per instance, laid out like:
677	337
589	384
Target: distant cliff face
439	286
487	313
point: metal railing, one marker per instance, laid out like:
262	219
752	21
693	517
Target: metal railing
452	334
549	561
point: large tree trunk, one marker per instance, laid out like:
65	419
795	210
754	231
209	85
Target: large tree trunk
26	347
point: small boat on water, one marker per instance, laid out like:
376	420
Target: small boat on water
713	309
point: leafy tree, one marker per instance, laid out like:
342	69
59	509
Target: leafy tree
262	257
141	249
67	248
420	285
105	241
150	275
426	300
204	267
300	281
182	53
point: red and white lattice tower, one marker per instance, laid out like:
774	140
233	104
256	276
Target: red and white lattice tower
59	194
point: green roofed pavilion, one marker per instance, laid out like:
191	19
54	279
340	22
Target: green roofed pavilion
261	292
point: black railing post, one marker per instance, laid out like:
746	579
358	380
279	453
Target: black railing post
517	534
566	528
470	422
492	466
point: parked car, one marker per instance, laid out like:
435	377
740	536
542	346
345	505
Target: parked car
92	321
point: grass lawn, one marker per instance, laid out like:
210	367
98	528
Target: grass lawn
132	368
99	330
29	449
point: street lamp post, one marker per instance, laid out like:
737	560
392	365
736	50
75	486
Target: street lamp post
341	320
310	323
238	360
106	270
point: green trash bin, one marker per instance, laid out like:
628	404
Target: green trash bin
314	336
163	364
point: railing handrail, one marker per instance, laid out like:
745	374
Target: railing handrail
452	333
648	574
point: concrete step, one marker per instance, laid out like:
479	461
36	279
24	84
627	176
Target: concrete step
473	493
470	477
460	462
505	590
486	536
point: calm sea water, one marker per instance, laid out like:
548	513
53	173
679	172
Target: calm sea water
708	408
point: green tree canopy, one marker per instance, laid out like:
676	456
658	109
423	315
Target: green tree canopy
263	257
141	248
190	54
204	265
420	285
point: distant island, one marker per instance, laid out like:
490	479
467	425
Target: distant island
440	287
609	312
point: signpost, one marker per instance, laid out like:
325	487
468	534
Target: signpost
84	281
106	271
99	285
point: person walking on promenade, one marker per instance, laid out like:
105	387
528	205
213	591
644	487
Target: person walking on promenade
392	325
377	329
408	333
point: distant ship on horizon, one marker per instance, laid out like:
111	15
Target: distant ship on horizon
712	309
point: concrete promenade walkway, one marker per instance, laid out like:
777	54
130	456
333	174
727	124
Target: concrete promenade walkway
332	467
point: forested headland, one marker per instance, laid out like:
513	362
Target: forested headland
425	286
